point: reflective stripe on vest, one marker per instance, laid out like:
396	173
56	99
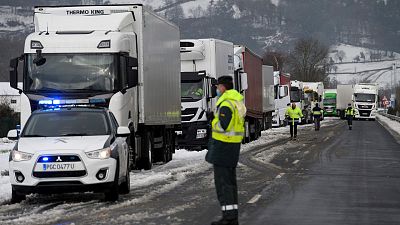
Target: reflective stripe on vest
235	131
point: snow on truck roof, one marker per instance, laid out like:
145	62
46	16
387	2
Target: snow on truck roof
6	90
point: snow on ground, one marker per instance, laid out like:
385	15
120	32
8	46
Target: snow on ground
394	125
382	77
5	186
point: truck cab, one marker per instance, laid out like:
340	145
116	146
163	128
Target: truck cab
282	98
330	102
202	62
313	94
365	99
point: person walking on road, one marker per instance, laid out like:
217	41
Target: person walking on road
224	148
317	114
349	116
294	115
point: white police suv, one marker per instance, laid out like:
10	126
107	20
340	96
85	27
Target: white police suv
72	149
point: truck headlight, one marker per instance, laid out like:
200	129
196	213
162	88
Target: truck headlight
18	156
201	133
104	153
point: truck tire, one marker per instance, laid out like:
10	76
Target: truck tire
147	151
17	197
112	194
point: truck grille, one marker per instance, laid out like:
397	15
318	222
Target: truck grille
78	173
188	114
365	113
365	107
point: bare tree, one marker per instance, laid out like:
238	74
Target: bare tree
309	61
275	59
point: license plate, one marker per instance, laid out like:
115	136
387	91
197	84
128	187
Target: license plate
72	166
178	132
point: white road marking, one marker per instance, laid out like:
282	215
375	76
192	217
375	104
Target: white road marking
327	138
254	199
296	161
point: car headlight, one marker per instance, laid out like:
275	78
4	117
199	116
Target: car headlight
104	153
18	156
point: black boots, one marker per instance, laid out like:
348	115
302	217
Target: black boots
225	221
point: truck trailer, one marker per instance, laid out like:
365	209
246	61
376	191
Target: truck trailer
122	57
344	97
203	61
366	99
255	82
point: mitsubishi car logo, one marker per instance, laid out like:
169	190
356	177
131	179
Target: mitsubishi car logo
58	159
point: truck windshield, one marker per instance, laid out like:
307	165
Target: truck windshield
59	123
295	94
330	101
364	97
192	90
69	72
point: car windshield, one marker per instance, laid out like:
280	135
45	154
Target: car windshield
364	97
67	72
192	90
59	123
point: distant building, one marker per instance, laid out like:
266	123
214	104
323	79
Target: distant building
10	96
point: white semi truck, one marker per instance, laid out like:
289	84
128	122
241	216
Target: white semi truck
203	61
282	98
313	94
122	57
365	97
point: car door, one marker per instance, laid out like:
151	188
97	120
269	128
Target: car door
122	148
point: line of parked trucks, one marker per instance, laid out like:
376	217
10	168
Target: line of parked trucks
159	92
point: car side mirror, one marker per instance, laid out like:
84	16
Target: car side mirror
123	132
132	72
13	135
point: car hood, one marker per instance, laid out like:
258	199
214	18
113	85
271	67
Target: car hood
82	143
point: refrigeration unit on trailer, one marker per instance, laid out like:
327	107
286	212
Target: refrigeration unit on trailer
203	61
344	97
366	99
330	102
282	98
122	57
313	94
255	82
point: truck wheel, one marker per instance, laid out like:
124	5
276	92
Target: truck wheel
125	187
112	195
147	152
16	197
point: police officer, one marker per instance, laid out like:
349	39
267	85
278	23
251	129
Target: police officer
293	114
349	116
317	114
224	148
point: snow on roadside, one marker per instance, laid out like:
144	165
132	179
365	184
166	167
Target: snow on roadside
5	186
394	125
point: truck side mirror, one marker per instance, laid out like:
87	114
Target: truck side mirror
243	82
282	91
213	91
14	73
132	72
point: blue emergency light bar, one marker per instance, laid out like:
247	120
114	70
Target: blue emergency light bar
60	102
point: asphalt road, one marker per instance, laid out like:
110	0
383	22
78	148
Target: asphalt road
355	180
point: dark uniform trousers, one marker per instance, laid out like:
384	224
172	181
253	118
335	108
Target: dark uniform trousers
293	127
349	120
224	157
227	193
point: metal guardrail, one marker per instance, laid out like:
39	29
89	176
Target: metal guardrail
392	117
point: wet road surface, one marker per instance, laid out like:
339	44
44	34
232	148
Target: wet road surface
355	180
